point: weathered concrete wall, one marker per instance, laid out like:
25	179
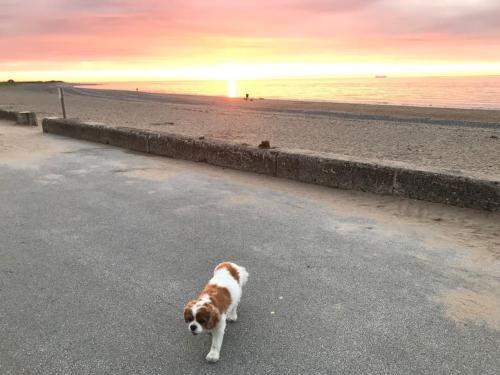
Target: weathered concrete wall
132	139
8	115
321	169
335	172
172	146
27	118
234	156
449	189
21	118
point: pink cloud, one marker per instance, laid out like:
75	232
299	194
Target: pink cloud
75	30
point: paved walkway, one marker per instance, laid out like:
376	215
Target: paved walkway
101	248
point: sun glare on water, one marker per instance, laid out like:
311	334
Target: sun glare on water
231	88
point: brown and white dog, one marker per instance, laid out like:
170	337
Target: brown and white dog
217	303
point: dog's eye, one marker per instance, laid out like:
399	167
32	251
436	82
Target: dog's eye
201	321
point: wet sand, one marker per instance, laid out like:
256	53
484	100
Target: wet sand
458	140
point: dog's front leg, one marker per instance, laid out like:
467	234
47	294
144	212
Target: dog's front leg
217	336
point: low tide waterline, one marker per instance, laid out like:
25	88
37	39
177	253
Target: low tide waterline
451	92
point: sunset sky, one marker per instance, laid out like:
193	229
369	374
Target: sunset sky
89	40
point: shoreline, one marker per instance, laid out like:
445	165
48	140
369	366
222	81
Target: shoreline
386	112
314	107
464	141
95	86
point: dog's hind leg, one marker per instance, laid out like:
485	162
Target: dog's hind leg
232	316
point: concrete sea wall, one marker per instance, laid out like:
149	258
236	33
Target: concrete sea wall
22	118
321	169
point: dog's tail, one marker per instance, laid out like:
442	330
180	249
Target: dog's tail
243	274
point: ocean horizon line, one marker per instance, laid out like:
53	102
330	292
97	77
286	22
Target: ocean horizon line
444	92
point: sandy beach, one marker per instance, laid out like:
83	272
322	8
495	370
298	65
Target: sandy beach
461	140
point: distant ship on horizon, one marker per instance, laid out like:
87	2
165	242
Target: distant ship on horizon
380	76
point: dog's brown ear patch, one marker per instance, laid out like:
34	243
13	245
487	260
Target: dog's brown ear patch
232	270
213	317
188	312
208	316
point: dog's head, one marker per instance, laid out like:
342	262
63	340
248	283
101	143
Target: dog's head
201	316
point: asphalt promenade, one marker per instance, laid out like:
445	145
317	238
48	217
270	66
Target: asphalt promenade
100	248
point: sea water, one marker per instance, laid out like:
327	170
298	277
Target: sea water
452	92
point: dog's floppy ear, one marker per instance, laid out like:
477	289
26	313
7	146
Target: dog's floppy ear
188	313
214	316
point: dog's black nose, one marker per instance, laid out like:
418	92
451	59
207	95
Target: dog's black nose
192	327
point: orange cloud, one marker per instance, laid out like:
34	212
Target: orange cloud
76	35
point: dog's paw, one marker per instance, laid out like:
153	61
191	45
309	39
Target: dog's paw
213	356
232	318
